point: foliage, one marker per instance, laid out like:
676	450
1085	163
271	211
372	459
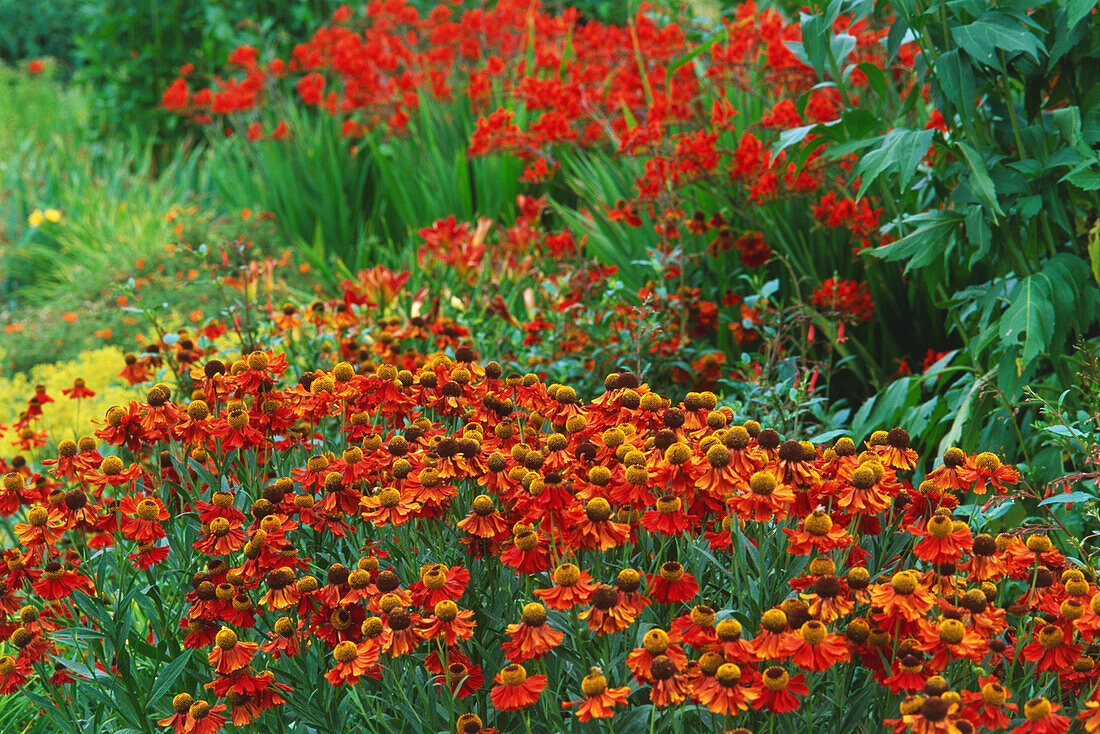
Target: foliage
129	52
37	29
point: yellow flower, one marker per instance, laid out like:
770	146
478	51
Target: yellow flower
36	218
52	215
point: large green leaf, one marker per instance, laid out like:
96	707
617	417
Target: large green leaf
995	32
901	151
1029	316
930	242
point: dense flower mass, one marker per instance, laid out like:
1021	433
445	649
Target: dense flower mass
392	511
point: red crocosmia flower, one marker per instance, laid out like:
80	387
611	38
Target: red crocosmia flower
599	701
530	638
572	586
672	585
229	653
515	689
353	662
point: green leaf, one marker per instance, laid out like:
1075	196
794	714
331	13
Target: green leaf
1077	10
1030	314
997	32
929	242
956	83
1068	498
981	183
901	150
1094	252
1085	176
977	233
168	676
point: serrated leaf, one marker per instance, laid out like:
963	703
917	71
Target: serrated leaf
980	182
901	151
927	243
1030	315
956	83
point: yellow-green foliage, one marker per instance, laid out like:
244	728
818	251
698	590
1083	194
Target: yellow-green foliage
67	418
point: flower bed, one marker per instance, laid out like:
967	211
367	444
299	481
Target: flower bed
418	538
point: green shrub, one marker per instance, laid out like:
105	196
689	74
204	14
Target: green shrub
129	52
31	29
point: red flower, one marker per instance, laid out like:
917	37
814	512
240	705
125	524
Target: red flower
515	690
672	585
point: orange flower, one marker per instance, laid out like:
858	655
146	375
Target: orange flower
229	653
943	541
815	648
532	637
572	586
669	686
903	597
515	690
608	615
723	693
484	521
352	662
388	507
599	700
